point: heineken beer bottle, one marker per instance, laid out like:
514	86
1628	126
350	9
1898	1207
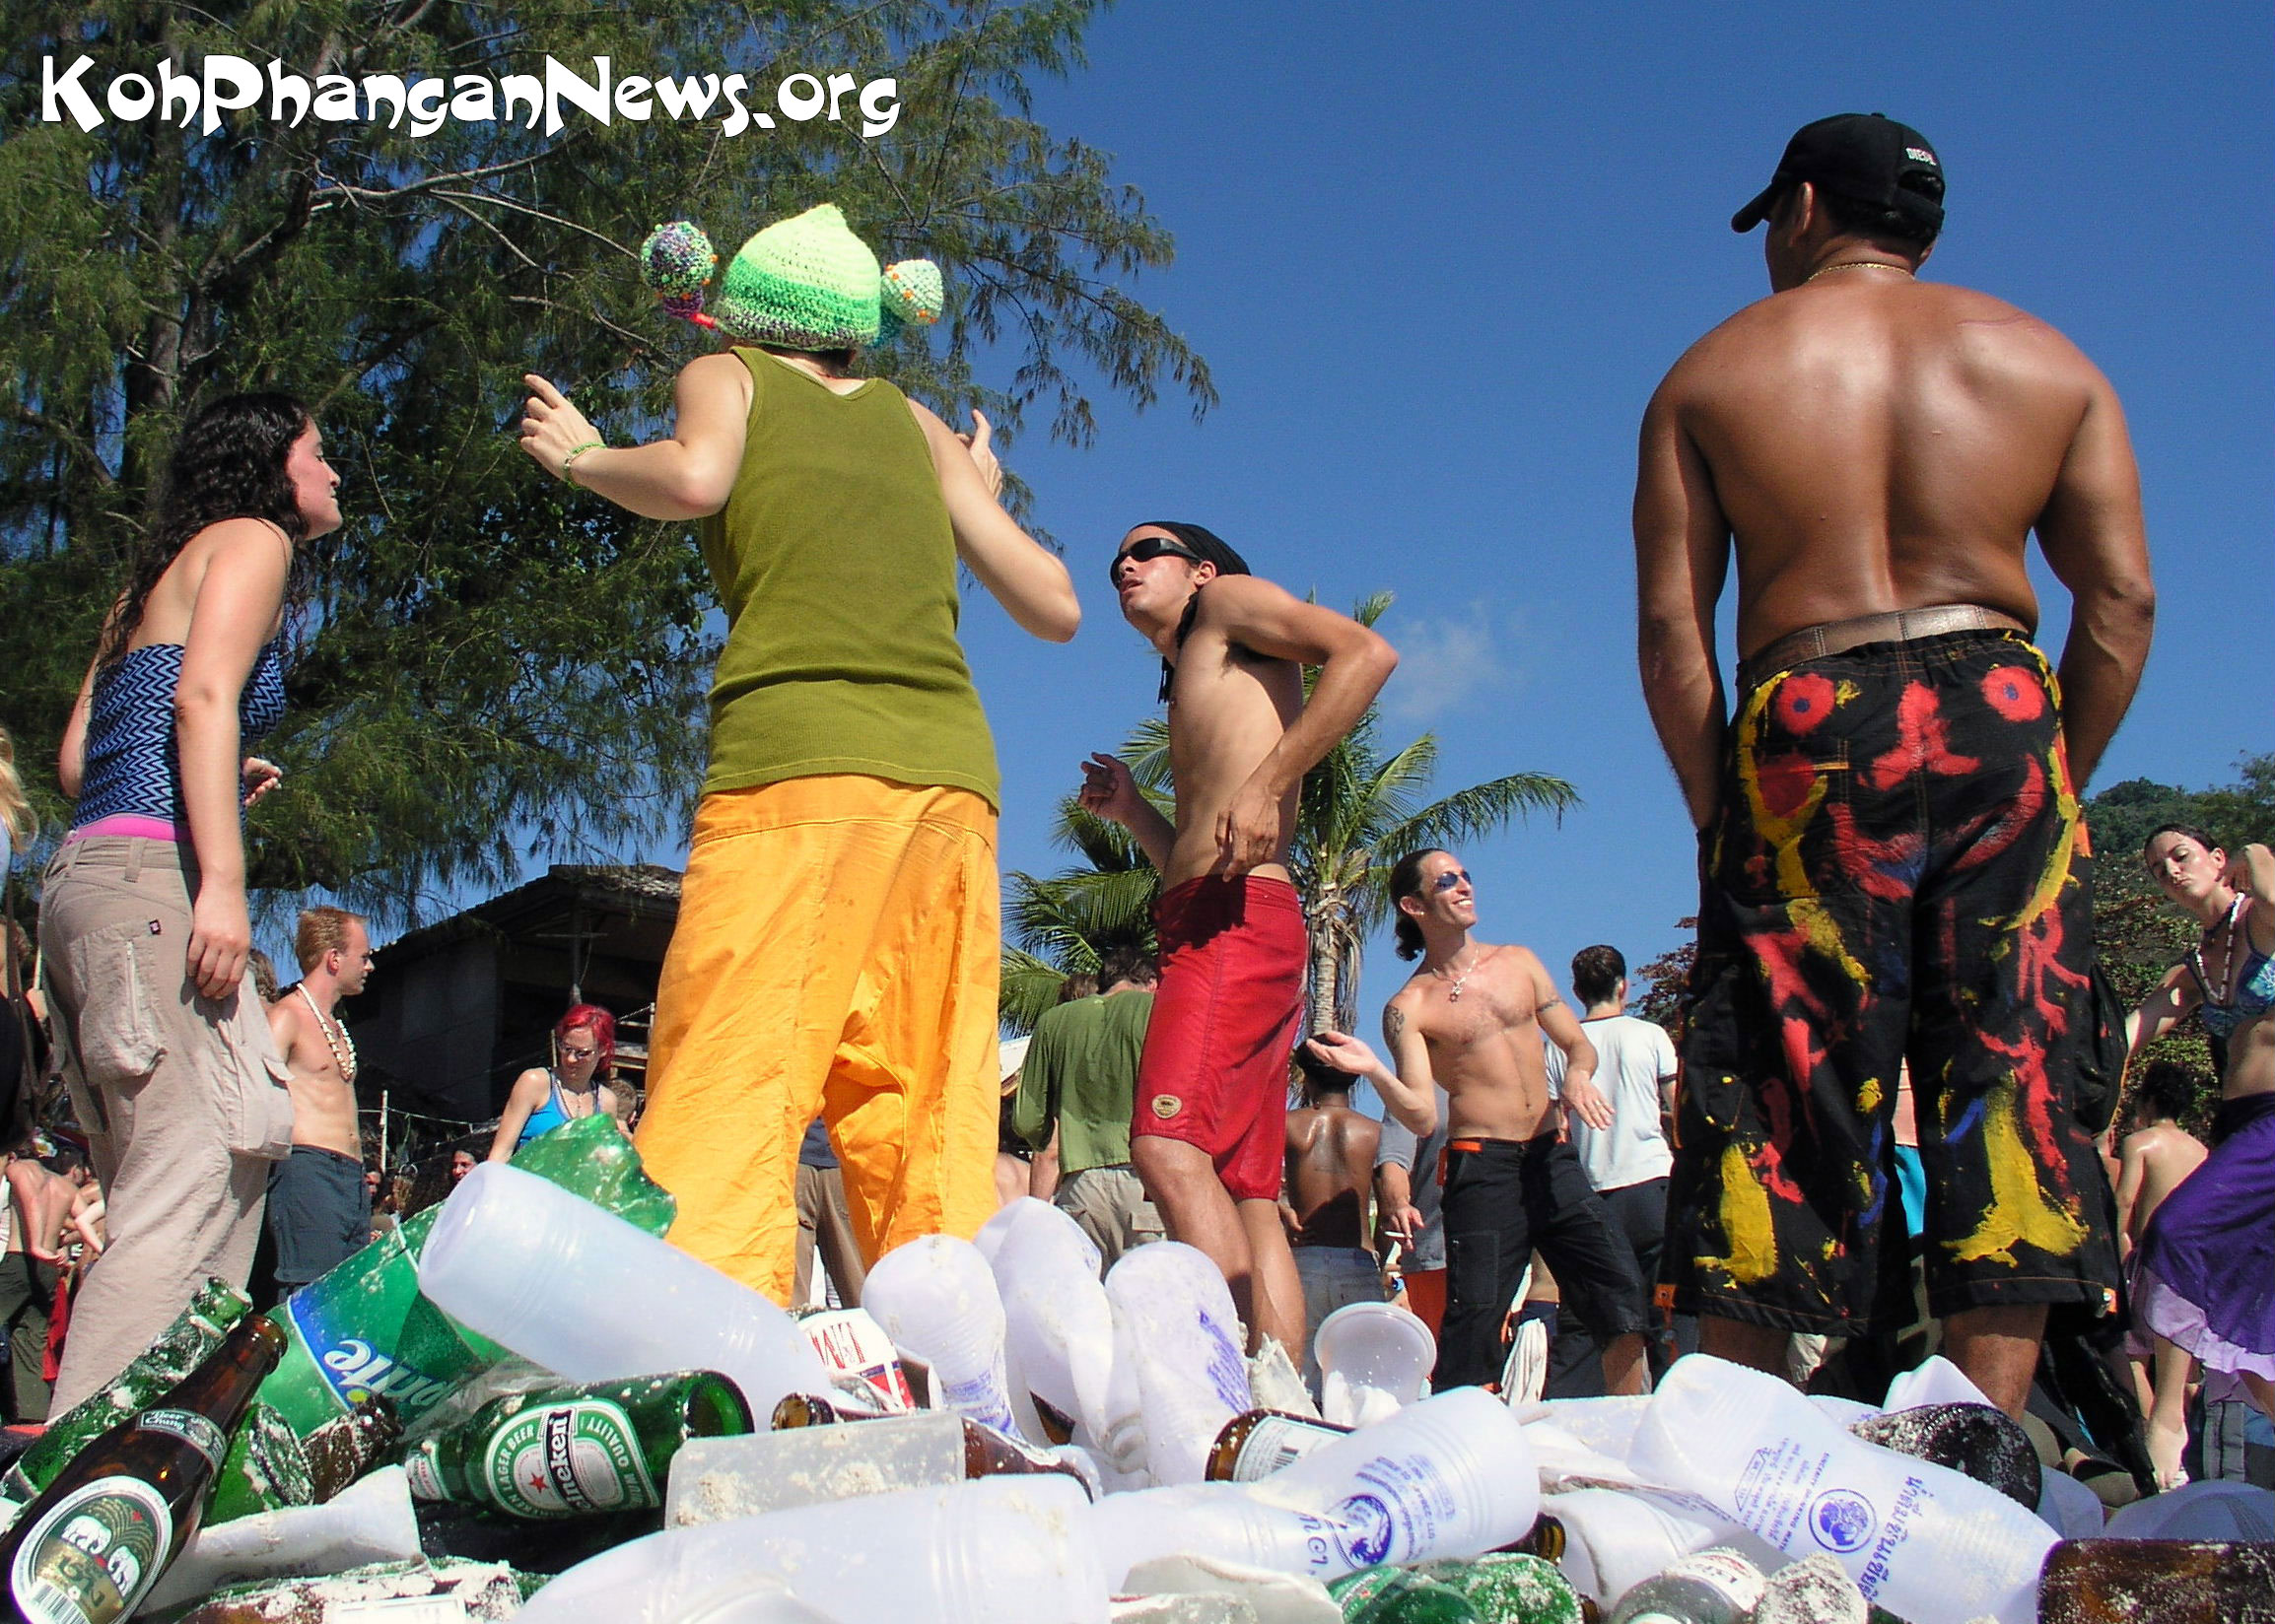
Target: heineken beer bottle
577	1451
90	1547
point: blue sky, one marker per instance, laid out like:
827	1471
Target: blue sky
1438	257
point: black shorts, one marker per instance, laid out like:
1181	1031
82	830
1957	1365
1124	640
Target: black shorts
1898	870
1504	1197
319	1213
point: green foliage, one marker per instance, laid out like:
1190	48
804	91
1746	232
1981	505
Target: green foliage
1361	811
492	658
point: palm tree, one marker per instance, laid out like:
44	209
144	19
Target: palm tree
1358	815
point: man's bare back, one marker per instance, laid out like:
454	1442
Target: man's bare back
2150	1165
1330	1168
1879	442
1485	1047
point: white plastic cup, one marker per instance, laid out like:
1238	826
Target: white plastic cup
2212	1508
1060	1326
936	1299
370	1521
587	1295
1374	1360
1920	1541
995	1550
1219	1521
1175	1329
1617	1538
2072	1510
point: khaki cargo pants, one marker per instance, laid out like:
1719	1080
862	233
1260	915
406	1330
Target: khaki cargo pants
182	1097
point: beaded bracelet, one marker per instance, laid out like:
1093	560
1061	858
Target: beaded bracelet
569	461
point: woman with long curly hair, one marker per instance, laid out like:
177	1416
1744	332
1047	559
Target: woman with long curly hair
144	923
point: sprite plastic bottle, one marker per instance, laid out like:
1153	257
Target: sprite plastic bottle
577	1451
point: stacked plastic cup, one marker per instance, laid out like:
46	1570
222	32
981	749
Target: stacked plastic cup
936	1299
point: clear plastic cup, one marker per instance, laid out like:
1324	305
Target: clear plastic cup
996	1550
584	1294
1061	1324
1176	1332
1374	1360
370	1520
936	1299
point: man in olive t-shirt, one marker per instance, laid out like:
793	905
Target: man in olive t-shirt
1081	1075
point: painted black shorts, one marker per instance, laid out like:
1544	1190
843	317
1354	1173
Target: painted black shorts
1898	870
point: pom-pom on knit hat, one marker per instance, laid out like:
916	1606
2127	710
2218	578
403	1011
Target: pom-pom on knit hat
805	282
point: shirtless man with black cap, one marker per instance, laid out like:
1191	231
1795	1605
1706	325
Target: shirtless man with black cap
1892	860
1208	1131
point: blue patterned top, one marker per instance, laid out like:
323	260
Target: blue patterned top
133	763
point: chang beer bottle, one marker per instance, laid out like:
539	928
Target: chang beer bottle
88	1549
364	1328
577	1451
987	1451
180	1349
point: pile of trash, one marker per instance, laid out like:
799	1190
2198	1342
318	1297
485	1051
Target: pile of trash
525	1404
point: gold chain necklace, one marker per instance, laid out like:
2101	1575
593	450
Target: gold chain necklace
1854	265
345	1060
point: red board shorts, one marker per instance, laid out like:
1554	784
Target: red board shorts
1226	1017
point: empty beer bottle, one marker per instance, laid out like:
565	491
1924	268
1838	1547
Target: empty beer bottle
987	1451
88	1548
1258	1443
180	1349
577	1451
1543	1539
2171	1581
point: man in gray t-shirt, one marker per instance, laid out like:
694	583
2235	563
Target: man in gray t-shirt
1405	1201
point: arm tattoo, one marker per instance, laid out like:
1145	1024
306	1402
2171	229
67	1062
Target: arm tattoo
1550	1002
1393	1029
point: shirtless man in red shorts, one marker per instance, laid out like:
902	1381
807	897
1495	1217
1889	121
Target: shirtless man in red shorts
1209	1130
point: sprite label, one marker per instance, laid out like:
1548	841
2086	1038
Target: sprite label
567	1460
91	1558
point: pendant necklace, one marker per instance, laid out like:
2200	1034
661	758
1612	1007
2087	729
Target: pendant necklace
345	1060
1454	993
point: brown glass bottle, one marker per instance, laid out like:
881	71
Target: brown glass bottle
1258	1443
88	1549
2171	1581
1543	1539
987	1451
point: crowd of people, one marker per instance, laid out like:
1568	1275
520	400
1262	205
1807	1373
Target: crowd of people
1896	883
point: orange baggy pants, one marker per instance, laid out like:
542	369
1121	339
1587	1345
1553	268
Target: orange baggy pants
837	950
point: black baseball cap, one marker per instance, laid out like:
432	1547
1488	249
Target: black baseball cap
1865	158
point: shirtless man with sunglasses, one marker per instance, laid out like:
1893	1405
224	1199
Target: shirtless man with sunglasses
1472	1020
1211	1103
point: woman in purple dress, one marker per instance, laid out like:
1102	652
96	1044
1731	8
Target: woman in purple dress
2204	1276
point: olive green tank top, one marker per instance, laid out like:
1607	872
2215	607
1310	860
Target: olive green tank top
835	563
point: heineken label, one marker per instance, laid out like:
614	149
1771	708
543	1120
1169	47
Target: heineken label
570	1460
93	1555
192	1429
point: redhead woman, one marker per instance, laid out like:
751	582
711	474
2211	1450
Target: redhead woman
545	1098
143	925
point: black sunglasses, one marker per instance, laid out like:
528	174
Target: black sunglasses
1448	879
1145	548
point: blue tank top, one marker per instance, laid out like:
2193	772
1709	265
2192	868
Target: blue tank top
547	1116
133	761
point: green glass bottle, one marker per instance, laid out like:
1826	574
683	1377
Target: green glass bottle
1400	1596
90	1547
577	1451
1511	1587
180	1349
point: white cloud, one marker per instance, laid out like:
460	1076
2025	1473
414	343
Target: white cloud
1445	661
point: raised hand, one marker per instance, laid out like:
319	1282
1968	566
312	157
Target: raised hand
1109	790
551	427
976	442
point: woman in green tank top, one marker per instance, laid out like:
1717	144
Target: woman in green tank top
836	940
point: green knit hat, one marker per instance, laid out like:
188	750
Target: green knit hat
805	282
